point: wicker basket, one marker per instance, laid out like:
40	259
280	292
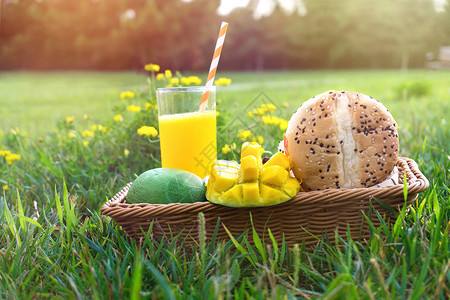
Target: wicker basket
307	213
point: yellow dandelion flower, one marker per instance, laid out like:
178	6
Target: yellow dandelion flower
5	152
244	135
100	127
118	118
260	139
71	134
69	119
160	76
268	107
134	108
195	80
271	120
222	81
168	74
152	67
185	81
226	149
94	127
85	143
260	111
87	133
217	113
10	158
175	81
127	95
126	152
5	187
148	131
284	124
250	114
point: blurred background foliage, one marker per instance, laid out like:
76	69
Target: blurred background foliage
180	35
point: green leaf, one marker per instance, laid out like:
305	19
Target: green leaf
20	212
405	187
257	242
136	278
162	282
30	220
10	222
239	246
342	287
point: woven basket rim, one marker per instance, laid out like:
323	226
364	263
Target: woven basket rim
416	183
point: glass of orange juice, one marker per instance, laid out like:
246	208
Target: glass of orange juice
188	137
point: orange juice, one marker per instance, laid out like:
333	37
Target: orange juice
188	141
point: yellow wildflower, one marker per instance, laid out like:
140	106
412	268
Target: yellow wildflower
87	133
250	114
148	131
5	152
133	108
233	146
100	127
260	140
159	76
226	149
5	187
268	107
10	158
118	118
69	119
259	111
71	134
126	152
175	81
271	120
85	143
284	124
191	80
152	67
168	73
94	127
149	105
185	81
223	81
244	135
195	80
127	95
217	113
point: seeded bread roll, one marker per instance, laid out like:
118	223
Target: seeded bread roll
342	140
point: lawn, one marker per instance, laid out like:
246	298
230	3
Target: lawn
54	243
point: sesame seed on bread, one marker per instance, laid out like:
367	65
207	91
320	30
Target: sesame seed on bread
342	140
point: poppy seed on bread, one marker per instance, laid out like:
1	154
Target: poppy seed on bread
342	140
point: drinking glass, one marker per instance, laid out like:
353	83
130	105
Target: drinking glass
188	136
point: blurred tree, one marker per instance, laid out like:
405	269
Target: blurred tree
126	34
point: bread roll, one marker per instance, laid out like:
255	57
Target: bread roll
342	140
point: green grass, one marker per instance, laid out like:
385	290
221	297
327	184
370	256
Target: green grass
55	244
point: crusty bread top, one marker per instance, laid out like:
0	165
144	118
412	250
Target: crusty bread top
342	140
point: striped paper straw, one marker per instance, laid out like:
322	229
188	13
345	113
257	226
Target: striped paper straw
214	63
